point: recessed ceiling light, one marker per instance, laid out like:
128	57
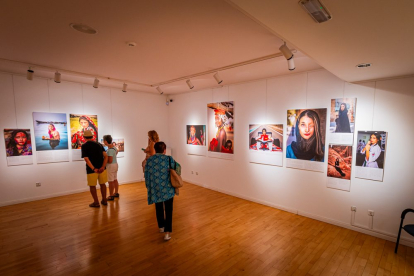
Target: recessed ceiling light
364	65
83	28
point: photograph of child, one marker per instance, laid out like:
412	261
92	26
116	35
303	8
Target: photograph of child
342	117
266	137
50	130
18	142
340	161
196	135
221	127
371	149
306	129
79	124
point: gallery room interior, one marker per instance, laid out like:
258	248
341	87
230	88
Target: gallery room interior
228	85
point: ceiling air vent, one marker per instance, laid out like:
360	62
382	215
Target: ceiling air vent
316	10
364	65
83	28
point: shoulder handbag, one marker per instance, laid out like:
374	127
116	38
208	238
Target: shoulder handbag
176	180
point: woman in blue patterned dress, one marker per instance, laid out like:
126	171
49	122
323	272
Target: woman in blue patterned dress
160	190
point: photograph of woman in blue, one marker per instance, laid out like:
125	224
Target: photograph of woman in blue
308	143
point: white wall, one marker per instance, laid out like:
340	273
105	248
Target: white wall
383	105
129	115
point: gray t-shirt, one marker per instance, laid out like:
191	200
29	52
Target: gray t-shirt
112	152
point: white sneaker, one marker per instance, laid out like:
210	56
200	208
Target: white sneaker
167	237
162	230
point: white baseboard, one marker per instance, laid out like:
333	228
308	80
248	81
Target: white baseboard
375	233
12	202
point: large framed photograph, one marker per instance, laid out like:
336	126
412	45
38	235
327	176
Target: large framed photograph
306	132
220	118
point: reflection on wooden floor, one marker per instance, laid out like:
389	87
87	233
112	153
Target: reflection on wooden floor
214	234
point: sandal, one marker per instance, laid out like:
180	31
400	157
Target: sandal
94	205
116	195
110	198
104	203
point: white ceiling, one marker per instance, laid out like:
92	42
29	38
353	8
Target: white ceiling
361	31
174	39
184	37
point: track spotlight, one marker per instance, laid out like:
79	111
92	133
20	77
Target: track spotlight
30	73
95	83
124	87
288	55
190	85
217	77
159	90
57	77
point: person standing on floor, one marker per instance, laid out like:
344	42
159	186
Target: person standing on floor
149	151
112	167
96	158
160	190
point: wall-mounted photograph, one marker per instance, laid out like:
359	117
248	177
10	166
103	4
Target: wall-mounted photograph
340	161
18	142
196	135
80	123
50	131
266	137
220	118
342	117
306	130
370	154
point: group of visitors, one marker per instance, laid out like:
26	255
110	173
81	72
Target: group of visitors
102	167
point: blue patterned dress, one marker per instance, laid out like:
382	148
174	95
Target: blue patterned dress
157	178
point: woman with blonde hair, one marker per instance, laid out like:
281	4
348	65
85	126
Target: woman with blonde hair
150	151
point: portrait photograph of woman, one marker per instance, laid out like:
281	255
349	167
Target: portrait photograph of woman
78	125
306	134
342	117
18	142
196	135
220	118
50	130
371	149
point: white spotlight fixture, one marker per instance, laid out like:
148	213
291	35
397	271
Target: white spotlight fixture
30	73
190	85
57	77
288	55
217	77
95	83
124	87
159	90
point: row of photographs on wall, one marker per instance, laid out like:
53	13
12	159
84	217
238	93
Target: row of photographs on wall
305	143
51	139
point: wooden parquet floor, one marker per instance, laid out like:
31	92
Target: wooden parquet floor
213	234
